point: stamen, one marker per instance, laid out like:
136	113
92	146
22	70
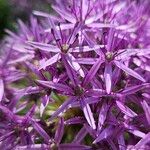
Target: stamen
109	56
53	146
78	91
65	48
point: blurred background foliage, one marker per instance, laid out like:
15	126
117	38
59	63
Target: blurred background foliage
12	10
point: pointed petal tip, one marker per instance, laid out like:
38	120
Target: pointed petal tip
94	142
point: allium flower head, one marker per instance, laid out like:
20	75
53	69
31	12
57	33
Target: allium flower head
78	78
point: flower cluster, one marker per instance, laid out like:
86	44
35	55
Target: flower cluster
78	78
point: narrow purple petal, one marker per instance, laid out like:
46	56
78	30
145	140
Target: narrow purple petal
90	131
88	113
50	61
75	65
44	103
96	92
91	100
88	100
65	14
101	25
146	95
24	29
143	141
12	34
146	110
117	7
9	141
87	61
111	143
44	47
110	41
53	28
127	53
137	133
75	120
73	35
40	130
22	48
85	6
1	89
59	132
141	64
104	134
108	77
31	111
8	113
34	69
115	75
62	108
80	135
63	26
70	71
136	88
85	48
121	143
57	86
102	115
6	135
90	20
33	147
129	71
29	90
73	146
15	75
21	59
89	40
43	14
125	109
92	72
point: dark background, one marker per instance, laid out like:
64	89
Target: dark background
12	10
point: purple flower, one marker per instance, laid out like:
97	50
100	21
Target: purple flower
78	78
